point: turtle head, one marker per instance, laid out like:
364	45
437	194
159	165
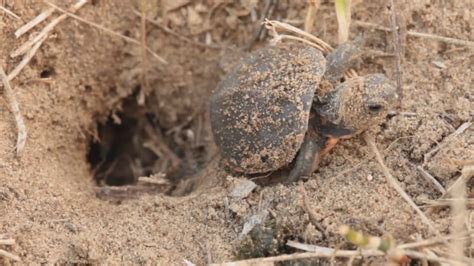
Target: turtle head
358	103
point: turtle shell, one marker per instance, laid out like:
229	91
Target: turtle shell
260	110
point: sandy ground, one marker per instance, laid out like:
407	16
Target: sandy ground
81	76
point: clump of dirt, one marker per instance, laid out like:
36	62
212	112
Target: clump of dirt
100	113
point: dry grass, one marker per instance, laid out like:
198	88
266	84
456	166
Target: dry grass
446	141
416	34
145	65
428	177
4	253
32	23
394	183
46	30
466	174
459	211
397	50
9	12
331	254
458	205
313	6
26	59
15	109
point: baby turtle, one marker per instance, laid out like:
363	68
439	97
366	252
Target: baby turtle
271	108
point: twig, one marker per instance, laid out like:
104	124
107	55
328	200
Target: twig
32	23
370	141
323	253
188	263
370	25
370	156
468	260
417	34
459	212
330	251
145	84
8	242
306	255
156	136
157	179
435	241
6	254
312	216
466	174
448	202
428	177
441	38
313	6
26	59
308	247
409	114
109	31
266	13
398	56
446	140
15	109
332	259
433	258
26	46
129	191
291	37
10	12
277	24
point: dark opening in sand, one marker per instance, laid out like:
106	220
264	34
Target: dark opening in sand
120	154
132	144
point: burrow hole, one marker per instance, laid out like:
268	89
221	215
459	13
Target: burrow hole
131	143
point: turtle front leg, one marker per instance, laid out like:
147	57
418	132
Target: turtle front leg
307	160
341	59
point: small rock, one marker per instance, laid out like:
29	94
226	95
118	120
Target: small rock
252	221
370	177
439	64
242	189
71	227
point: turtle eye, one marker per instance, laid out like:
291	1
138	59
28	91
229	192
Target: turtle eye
374	107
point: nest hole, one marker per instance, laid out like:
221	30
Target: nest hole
131	144
118	155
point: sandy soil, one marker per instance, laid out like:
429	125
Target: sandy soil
82	77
